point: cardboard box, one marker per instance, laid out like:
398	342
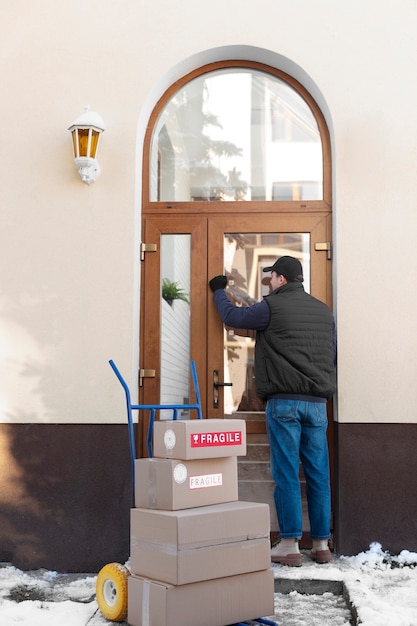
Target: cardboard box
209	603
189	566
199	439
181	547
203	526
171	485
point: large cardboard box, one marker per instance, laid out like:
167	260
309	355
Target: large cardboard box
208	603
189	566
171	485
186	546
199	438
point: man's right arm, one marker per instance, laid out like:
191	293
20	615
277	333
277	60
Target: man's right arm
255	317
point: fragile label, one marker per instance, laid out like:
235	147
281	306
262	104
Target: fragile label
207	480
206	440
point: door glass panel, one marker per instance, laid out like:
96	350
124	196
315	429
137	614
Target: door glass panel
236	134
245	256
175	322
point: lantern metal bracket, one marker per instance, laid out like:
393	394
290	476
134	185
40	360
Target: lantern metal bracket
89	169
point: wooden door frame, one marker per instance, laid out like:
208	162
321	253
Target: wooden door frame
317	224
150	324
206	326
275	212
241	206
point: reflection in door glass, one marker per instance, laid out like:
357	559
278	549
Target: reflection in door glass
236	134
175	322
245	256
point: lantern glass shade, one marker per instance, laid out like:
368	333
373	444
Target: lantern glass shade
85	142
95	136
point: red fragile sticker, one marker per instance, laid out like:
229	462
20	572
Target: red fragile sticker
205	440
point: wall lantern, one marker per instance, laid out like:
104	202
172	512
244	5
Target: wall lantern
86	131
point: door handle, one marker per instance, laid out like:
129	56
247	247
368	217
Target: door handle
216	385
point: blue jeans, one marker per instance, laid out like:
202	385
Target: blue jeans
297	431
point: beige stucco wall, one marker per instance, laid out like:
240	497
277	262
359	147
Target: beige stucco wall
69	296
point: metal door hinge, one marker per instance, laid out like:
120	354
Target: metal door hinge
145	374
324	246
147	247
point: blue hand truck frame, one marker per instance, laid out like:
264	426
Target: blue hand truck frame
152	408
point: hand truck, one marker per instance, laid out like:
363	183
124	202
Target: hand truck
111	586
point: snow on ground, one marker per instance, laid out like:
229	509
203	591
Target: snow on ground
44	598
297	609
383	590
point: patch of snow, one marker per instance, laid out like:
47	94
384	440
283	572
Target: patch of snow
382	587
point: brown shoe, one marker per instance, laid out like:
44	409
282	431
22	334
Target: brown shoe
293	560
321	556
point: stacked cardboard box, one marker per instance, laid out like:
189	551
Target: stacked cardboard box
199	556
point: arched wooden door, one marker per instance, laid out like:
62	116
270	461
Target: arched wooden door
236	174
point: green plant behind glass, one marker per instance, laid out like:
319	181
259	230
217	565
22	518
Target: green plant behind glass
172	291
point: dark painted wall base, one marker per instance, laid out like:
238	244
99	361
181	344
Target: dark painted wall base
66	493
376	487
65	499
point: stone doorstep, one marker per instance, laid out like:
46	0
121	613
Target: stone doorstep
311	586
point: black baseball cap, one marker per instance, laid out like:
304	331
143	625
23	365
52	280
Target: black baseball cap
287	266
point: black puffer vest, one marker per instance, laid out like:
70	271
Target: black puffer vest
294	355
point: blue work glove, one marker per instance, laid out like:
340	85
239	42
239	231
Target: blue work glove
218	282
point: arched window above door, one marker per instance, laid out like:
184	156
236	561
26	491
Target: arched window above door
237	133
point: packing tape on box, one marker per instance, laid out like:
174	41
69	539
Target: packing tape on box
152	486
145	602
150	544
